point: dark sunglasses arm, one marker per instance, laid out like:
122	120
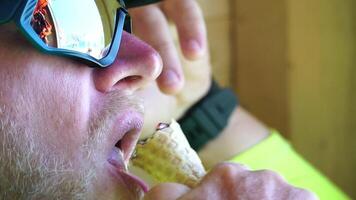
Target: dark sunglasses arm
137	3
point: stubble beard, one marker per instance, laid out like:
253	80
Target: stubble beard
28	171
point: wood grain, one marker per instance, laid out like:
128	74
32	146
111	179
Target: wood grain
322	86
296	70
293	64
260	60
217	17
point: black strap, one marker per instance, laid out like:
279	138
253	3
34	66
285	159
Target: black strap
208	117
137	3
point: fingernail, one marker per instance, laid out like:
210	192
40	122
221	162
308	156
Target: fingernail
171	77
194	45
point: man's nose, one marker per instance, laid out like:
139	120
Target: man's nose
136	65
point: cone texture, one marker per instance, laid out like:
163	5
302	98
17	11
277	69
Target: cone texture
168	157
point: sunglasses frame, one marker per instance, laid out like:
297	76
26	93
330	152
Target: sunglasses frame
137	3
21	12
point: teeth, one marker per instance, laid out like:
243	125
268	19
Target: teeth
117	156
126	163
121	157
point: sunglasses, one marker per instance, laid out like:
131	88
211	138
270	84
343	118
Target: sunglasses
87	30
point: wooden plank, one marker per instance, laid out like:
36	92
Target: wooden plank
322	86
296	71
219	41
215	9
217	17
260	56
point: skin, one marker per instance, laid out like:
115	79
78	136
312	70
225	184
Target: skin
232	181
56	122
193	67
57	119
243	130
224	180
150	23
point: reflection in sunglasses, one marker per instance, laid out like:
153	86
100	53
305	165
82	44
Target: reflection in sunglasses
39	21
84	26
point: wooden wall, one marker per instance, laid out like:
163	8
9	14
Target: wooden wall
293	64
322	86
217	16
261	59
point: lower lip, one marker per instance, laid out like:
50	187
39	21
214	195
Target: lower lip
129	179
129	121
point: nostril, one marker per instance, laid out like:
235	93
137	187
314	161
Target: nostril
131	78
136	65
130	81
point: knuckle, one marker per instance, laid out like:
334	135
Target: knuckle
269	174
229	169
307	195
224	166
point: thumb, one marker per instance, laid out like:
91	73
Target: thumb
166	191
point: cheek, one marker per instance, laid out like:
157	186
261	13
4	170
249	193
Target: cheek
52	103
63	105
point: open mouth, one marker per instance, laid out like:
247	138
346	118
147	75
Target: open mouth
127	134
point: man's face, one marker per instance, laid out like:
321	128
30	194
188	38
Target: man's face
60	121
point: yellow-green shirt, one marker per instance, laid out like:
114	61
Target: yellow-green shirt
276	154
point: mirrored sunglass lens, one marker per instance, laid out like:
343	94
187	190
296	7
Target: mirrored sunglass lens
86	26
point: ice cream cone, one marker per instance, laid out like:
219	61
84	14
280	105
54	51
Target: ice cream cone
168	157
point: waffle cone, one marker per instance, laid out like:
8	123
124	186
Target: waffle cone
168	157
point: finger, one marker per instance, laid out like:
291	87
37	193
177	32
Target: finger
166	191
189	19
230	166
219	183
225	170
151	25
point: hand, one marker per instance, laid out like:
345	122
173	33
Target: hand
244	132
150	23
160	107
232	181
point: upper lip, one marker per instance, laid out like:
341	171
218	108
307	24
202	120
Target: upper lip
125	134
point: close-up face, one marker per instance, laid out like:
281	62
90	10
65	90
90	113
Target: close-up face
67	131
